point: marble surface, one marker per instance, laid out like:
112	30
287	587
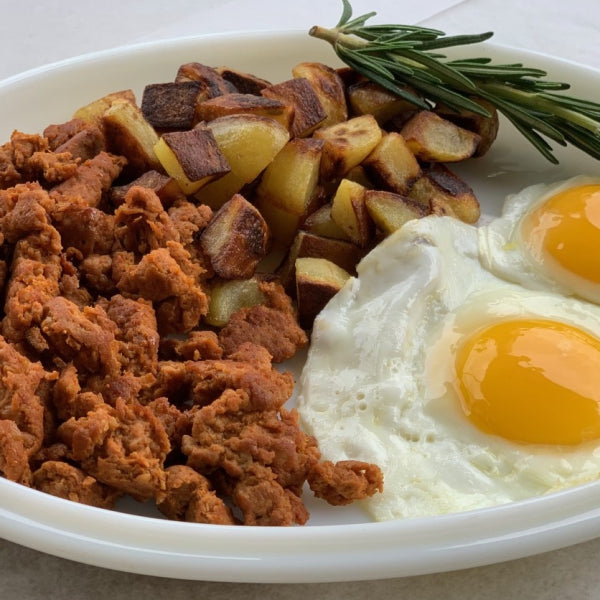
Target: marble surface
35	33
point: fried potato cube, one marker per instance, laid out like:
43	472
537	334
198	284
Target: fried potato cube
392	165
340	252
244	83
347	144
317	281
349	212
93	113
299	93
438	186
359	174
434	139
191	157
235	239
320	222
288	187
130	135
367	97
249	143
227	297
329	88
165	187
233	104
485	127
171	105
282	224
213	83
390	211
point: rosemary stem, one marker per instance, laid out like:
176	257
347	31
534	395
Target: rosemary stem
539	103
335	36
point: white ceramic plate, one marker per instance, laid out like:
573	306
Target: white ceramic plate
337	544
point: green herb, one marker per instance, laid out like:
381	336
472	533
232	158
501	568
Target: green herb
396	56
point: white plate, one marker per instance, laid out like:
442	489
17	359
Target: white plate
337	544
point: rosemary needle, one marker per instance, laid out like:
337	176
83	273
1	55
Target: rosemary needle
397	56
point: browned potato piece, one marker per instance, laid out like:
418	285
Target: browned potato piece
434	139
171	105
249	143
485	127
288	187
235	240
191	157
166	188
213	83
340	252
320	222
347	144
299	93
390	211
227	297
349	212
440	207
444	186
367	97
329	88
359	174
93	113
317	281
129	134
234	104
245	83
392	165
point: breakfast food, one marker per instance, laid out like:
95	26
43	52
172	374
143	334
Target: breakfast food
546	238
468	389
157	262
140	325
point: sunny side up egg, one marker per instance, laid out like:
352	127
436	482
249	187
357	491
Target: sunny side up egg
467	389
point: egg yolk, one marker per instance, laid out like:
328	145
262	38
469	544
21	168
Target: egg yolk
531	381
566	229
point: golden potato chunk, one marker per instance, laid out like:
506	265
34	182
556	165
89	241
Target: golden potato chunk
434	139
349	212
130	135
213	83
329	88
485	127
317	281
369	98
244	83
320	222
249	143
392	165
93	113
235	240
440	186
340	252
347	144
299	93
192	158
235	104
390	211
227	297
288	187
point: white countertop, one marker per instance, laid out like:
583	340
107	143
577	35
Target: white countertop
33	33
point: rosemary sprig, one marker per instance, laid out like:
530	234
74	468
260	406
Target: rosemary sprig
396	56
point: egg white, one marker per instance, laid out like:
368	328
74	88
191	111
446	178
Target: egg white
504	252
377	382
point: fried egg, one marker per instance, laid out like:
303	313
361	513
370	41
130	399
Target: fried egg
467	390
547	237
